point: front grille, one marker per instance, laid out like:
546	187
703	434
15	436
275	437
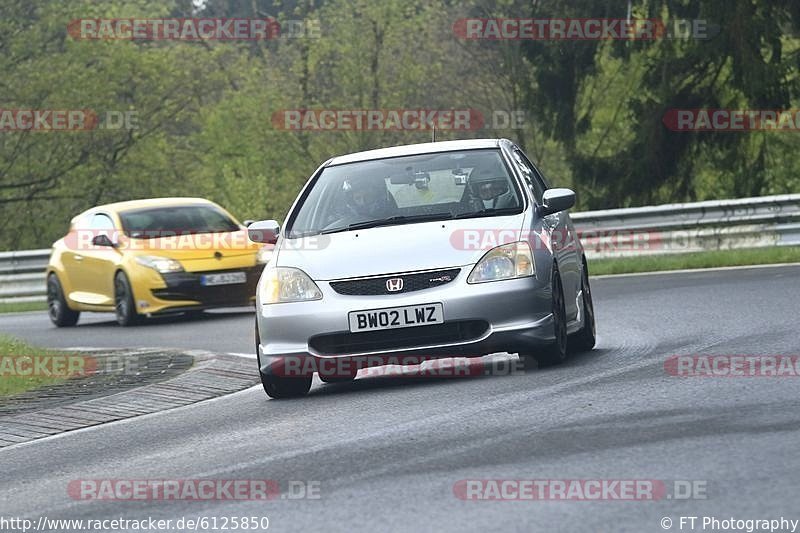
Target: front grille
346	343
186	286
411	282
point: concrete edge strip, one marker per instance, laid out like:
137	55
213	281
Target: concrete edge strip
211	377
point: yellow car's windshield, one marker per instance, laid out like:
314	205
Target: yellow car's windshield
175	220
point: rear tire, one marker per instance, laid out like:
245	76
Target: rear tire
584	339
555	352
57	309
124	306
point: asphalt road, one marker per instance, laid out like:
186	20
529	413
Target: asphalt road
387	452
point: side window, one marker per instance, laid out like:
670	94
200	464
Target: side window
100	221
531	175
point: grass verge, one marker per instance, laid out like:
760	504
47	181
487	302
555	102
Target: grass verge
14	307
10	382
709	259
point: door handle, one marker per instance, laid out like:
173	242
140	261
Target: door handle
78	257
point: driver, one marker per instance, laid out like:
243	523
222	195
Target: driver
489	185
367	196
488	189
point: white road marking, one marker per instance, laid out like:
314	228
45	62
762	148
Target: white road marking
691	270
245	355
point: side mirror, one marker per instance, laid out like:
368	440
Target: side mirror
556	200
264	231
103	240
247	223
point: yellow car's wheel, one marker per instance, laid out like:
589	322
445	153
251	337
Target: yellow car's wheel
124	306
58	310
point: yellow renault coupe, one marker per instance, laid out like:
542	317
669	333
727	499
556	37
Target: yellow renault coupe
150	257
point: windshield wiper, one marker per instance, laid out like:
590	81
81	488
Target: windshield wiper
220	230
400	219
157	234
391	221
490	211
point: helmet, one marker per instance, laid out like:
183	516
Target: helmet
488	183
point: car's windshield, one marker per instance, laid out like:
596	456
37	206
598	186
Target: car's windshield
175	220
408	189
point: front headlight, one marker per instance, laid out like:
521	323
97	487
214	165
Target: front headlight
285	284
263	255
513	260
159	264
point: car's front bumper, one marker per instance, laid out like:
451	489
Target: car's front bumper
183	291
500	316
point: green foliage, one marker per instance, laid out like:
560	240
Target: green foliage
593	108
15	384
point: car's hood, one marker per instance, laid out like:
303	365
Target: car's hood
403	248
194	246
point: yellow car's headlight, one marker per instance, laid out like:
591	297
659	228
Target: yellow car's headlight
263	255
159	264
285	284
513	260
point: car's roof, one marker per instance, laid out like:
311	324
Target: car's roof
149	202
414	149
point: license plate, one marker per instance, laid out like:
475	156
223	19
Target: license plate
396	317
226	278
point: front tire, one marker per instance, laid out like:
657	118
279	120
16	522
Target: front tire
279	387
57	309
585	339
555	352
124	306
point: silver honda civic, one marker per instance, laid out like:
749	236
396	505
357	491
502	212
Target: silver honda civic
456	248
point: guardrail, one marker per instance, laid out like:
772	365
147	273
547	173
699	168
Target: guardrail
22	276
663	229
691	227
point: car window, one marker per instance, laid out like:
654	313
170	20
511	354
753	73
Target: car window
532	177
101	221
432	188
442	185
175	220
